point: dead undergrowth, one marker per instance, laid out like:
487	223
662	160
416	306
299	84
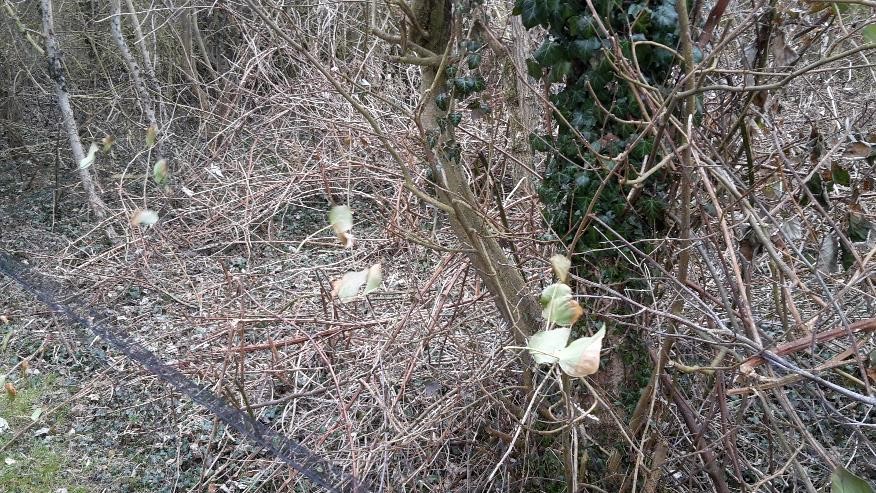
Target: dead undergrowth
411	387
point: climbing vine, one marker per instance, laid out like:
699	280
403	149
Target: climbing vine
600	144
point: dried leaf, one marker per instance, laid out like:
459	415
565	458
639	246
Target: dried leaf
10	390
581	357
375	278
859	150
151	135
108	141
828	255
545	346
341	220
146	217
783	54
792	230
347	287
88	160
561	265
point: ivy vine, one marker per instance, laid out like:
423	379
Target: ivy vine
601	108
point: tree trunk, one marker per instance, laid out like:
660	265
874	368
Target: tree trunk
523	120
500	274
146	102
56	72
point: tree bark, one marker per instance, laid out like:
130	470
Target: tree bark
500	274
134	71
56	72
523	121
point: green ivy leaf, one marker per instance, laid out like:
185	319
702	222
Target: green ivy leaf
560	70
584	48
529	13
442	101
550	8
455	118
533	69
583	120
839	175
538	143
581	26
474	60
549	53
666	16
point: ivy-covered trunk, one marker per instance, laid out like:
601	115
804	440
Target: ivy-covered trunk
605	192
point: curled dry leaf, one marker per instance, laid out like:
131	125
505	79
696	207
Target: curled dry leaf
341	220
10	390
88	160
146	217
375	278
151	135
581	357
545	345
558	305
347	287
108	141
561	265
859	150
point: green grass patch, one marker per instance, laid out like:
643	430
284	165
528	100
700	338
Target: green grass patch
33	464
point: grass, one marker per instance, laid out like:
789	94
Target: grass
34	463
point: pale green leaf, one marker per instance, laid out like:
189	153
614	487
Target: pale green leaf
375	277
145	217
552	292
35	415
545	346
581	357
347	287
869	33
160	171
88	160
108	141
559	307
341	220
843	481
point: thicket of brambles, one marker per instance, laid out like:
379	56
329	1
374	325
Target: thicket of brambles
540	245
